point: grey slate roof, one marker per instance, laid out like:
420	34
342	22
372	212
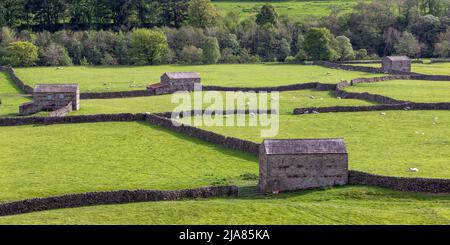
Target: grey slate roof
397	58
181	75
304	146
56	88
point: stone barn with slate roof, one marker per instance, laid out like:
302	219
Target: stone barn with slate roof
297	164
175	81
396	64
51	97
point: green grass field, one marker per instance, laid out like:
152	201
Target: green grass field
294	9
40	161
410	90
387	145
430	69
241	75
343	205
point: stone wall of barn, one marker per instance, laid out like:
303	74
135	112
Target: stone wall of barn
302	171
54	101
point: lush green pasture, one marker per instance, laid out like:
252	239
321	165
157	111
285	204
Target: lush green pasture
39	161
410	90
343	205
431	69
295	9
383	144
109	78
287	101
10	97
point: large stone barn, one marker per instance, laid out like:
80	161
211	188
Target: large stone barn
175	81
297	164
51	97
396	64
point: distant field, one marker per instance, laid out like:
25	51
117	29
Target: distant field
39	161
342	205
431	69
383	144
110	78
295	9
410	90
10	97
288	101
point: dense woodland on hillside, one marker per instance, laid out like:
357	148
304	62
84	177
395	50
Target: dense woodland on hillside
140	32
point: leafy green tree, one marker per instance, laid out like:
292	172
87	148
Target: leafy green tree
408	45
202	14
147	46
191	55
211	50
442	48
11	12
47	13
55	55
317	44
343	48
174	12
21	54
267	15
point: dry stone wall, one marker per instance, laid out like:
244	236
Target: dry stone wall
112	197
400	183
19	83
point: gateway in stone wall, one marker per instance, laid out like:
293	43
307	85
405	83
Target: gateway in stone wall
297	164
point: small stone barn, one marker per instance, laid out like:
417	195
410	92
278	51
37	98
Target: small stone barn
176	81
396	64
51	97
297	164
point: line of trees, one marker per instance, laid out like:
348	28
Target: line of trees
195	32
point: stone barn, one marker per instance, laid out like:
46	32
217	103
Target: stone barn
297	164
51	97
396	64
175	81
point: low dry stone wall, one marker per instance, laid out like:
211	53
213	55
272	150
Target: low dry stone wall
62	111
379	79
399	183
430	77
215	112
208	136
15	121
118	94
367	69
440	61
19	83
112	197
368	97
404	106
291	87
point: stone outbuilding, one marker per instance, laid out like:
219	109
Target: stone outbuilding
51	97
396	64
175	81
297	164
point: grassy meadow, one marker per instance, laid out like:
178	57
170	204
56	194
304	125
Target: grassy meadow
426	68
87	157
107	78
76	158
341	205
295	9
410	90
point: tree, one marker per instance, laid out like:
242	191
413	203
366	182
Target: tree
46	13
11	12
267	15
55	55
344	48
147	46
202	14
407	44
174	12
21	54
442	47
191	55
317	44
211	50
427	29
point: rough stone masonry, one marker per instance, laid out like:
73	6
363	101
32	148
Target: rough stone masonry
297	164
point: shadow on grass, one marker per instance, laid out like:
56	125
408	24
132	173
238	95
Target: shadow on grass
225	151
